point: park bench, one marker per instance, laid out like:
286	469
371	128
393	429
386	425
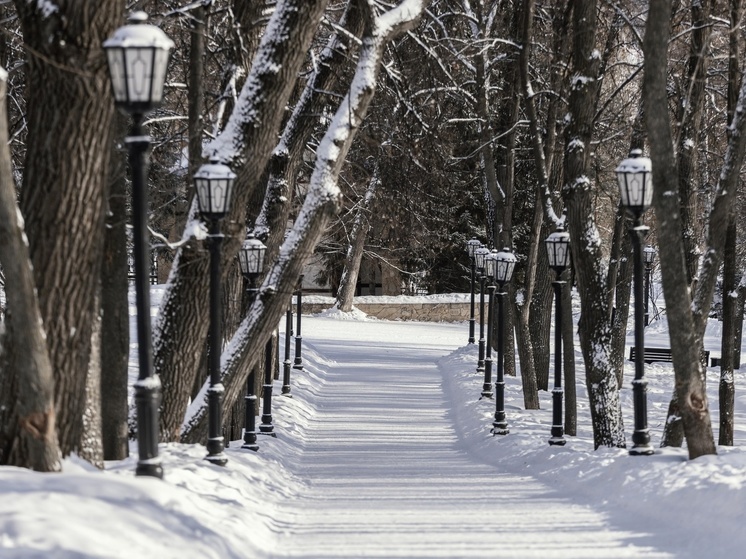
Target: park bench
651	354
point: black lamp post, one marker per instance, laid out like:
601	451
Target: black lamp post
471	246
636	195
480	254
286	363
558	253
266	427
298	363
489	273
648	254
251	261
504	266
138	56
214	185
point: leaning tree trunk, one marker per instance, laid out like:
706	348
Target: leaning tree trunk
27	417
322	203
358	235
63	197
247	142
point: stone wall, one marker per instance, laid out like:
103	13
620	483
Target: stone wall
419	311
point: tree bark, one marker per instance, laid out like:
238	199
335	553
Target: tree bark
27	417
115	333
588	261
685	333
63	197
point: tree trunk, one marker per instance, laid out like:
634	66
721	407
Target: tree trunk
64	185
91	446
27	418
115	333
358	236
588	261
685	332
726	391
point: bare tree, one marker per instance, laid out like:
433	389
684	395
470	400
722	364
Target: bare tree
358	234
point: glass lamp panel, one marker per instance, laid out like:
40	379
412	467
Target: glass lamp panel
479	256
160	66
203	194
115	58
489	265
139	74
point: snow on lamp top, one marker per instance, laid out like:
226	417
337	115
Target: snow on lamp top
251	256
138	56
214	184
634	175
504	265
558	250
479	257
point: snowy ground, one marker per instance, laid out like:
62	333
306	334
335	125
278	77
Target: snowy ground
385	451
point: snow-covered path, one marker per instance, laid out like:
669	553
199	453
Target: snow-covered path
384	474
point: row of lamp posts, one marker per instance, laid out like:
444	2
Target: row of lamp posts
137	56
497	268
636	192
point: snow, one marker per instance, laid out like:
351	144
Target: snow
384	450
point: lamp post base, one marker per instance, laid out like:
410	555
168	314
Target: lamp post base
557	441
499	426
249	441
641	444
641	450
149	469
215	454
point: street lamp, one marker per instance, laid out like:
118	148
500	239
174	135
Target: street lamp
489	272
214	185
298	363
137	55
251	262
648	254
504	266
480	254
558	253
471	246
634	175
